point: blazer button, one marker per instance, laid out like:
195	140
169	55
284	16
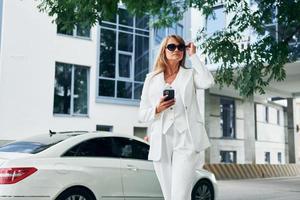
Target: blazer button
171	108
186	107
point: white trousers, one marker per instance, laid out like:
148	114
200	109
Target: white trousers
176	168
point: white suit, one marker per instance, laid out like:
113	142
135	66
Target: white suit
170	154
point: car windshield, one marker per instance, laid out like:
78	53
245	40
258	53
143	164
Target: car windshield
33	144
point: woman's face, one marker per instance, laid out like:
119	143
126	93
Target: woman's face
174	54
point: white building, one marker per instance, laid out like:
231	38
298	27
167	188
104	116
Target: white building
91	79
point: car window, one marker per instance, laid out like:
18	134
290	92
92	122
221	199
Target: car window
97	147
25	147
130	148
34	144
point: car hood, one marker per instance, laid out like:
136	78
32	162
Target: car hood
4	156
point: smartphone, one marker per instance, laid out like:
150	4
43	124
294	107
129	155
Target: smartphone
170	93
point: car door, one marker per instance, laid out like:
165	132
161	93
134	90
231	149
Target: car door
97	167
138	175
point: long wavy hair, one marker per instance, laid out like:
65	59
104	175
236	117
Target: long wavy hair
161	59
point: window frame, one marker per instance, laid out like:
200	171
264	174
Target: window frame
132	141
267	157
267	114
74	34
229	151
110	127
114	26
279	157
82	143
72	114
233	120
278	117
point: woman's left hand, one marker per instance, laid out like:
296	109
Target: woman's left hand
191	49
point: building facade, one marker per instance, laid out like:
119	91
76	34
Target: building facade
91	79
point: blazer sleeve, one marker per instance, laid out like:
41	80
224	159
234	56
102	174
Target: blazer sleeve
146	110
203	78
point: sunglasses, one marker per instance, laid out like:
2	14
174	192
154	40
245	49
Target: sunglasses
172	47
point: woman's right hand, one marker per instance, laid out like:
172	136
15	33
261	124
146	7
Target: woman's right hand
163	105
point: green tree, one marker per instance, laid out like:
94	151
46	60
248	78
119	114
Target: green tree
249	69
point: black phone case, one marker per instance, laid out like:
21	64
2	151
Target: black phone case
170	93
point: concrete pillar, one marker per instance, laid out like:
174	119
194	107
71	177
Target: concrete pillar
206	120
291	131
249	130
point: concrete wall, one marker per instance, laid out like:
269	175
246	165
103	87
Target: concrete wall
270	135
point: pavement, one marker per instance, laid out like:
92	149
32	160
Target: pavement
285	188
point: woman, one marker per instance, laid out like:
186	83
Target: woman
177	133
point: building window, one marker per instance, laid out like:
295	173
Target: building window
107	128
161	33
227	117
140	132
124	56
267	158
71	89
227	156
278	117
78	31
267	114
279	157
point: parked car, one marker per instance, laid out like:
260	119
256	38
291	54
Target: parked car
85	166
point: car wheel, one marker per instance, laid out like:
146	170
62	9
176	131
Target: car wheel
203	190
76	194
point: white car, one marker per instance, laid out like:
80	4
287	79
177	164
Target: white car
85	166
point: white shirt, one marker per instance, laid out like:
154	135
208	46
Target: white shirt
176	113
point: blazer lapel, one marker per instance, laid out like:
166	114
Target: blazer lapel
183	79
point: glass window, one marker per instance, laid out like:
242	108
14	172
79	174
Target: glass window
129	148
216	21
83	31
107	128
79	30
267	158
124	89
271	30
267	114
125	18
34	144
279	157
124	64
125	42
63	30
98	147
62	88
227	156
71	89
227	113
107	53
141	58
80	90
142	22
278	117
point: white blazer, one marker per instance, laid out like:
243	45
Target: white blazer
197	77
